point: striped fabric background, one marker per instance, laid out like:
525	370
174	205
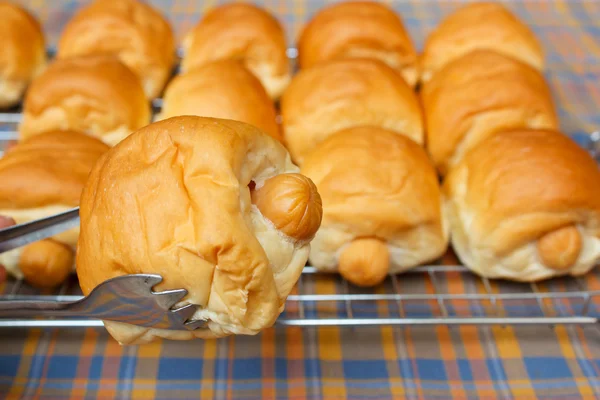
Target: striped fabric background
335	363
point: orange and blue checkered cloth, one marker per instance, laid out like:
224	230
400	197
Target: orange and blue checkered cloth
426	362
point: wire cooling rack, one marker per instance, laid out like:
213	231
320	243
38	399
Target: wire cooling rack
429	295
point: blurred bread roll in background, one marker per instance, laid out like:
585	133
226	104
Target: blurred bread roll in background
243	32
480	26
131	30
96	95
341	94
43	176
215	207
358	29
478	94
23	54
222	89
382	205
525	205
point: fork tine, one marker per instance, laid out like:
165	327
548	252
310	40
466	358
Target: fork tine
186	311
169	298
193	325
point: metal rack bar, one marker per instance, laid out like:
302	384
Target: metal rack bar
300	286
396	287
488	289
347	300
436	293
577	320
343	297
588	299
387	296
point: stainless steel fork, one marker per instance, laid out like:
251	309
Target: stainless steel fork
127	298
29	232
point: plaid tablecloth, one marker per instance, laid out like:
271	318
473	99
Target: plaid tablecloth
299	363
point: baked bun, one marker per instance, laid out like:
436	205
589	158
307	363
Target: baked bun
480	26
241	32
525	205
382	207
23	54
478	94
342	94
42	176
359	29
222	89
131	30
95	95
215	207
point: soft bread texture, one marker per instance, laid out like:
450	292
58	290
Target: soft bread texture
131	30
358	29
480	26
241	32
43	176
180	205
525	205
97	95
382	205
347	93
477	95
23	54
222	89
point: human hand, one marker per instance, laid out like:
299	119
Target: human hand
5	222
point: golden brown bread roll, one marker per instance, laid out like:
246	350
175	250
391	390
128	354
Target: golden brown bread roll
525	205
478	94
222	89
131	30
342	94
241	32
382	206
23	54
42	176
180	205
97	95
358	29
480	26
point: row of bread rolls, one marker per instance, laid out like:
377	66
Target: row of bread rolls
87	88
515	202
141	38
522	200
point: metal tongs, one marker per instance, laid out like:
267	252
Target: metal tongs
127	298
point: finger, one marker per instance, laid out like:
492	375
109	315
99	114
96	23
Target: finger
5	222
9	145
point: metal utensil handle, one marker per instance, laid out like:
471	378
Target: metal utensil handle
20	308
23	234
